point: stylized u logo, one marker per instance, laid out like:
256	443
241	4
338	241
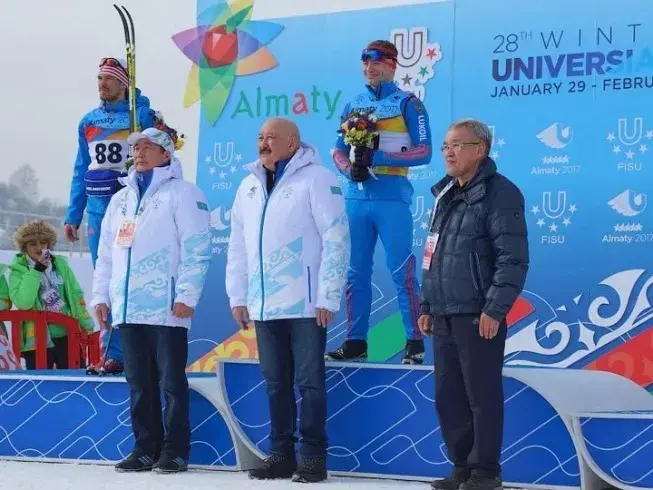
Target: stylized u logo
223	160
410	45
634	137
419	208
549	210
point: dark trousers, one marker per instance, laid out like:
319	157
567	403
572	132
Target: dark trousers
292	352
155	360
58	354
469	393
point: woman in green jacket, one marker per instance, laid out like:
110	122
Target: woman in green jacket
8	361
5	301
41	281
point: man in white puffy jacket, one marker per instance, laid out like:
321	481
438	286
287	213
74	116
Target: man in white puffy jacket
152	262
286	270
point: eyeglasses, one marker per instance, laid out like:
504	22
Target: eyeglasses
375	55
456	147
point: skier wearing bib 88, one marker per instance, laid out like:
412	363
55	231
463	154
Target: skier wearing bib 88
101	160
378	200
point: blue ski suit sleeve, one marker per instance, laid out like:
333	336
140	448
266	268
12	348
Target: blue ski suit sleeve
145	117
417	122
341	152
77	203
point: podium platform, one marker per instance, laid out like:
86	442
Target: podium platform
618	446
563	428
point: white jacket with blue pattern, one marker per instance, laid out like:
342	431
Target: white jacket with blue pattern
288	251
169	257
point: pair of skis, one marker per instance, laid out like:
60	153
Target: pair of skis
130	46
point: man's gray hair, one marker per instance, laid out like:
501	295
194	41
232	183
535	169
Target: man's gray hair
477	128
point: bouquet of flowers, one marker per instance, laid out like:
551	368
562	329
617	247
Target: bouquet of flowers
359	131
160	124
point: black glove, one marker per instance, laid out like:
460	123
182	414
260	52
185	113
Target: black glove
363	156
359	173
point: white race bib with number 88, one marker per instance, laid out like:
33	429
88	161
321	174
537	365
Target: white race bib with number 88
108	154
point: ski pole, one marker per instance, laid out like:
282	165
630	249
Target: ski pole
106	351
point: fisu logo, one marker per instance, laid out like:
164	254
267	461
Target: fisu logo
553	215
630	143
554	211
628	137
416	60
223	158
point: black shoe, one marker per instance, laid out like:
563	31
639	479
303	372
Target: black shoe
451	483
310	470
277	466
414	353
135	462
169	464
350	350
482	483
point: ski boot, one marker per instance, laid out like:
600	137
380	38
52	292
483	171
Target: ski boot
350	350
414	353
111	366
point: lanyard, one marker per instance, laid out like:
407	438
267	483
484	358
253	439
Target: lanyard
437	200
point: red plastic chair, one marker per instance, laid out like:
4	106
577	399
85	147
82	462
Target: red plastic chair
80	344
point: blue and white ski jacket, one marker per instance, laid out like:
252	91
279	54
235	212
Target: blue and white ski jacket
170	254
288	251
102	155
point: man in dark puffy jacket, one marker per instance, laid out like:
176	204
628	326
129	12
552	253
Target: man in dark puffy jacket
473	269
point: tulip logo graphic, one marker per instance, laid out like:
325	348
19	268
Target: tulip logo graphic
225	44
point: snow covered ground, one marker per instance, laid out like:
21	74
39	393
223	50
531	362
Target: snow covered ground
61	476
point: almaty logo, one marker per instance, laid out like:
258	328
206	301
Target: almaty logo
225	44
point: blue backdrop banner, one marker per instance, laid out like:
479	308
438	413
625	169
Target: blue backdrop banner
563	86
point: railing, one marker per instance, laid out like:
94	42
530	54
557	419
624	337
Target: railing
80	344
16	218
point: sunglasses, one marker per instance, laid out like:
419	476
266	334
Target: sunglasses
375	55
111	62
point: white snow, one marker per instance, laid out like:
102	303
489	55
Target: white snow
16	475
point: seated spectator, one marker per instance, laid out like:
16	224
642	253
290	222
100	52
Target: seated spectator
41	281
8	360
5	301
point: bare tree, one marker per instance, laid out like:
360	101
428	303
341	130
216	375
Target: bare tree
25	180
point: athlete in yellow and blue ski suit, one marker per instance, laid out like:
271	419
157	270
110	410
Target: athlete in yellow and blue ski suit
380	207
